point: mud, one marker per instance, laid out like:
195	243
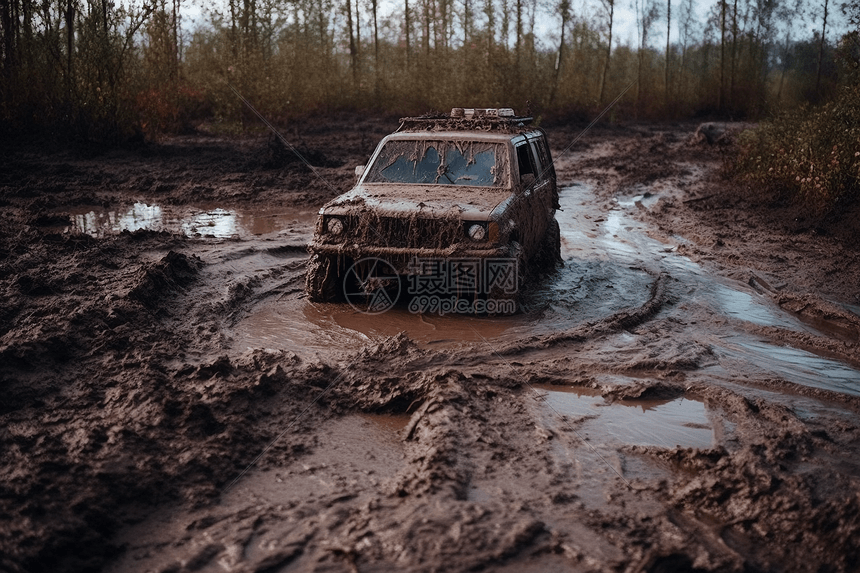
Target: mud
682	395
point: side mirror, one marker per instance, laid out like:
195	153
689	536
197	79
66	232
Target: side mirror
359	171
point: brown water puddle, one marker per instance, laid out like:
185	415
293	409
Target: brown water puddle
792	364
200	221
681	422
297	325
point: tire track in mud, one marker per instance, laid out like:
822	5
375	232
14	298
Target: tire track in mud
624	319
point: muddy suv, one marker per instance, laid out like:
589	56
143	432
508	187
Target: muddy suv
453	211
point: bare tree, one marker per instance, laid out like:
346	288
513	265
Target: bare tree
647	12
519	34
353	53
358	36
374	7
668	47
609	6
734	53
406	27
687	17
721	98
70	46
821	47
490	13
564	11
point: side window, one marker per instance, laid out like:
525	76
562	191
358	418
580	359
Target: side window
543	154
525	160
538	160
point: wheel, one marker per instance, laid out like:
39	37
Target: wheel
322	279
554	242
504	295
548	256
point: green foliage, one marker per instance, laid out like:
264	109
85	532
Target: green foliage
810	155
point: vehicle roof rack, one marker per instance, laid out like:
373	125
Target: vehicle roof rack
467	119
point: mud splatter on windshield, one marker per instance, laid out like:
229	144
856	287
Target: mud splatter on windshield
440	163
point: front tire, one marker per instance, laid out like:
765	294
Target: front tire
506	298
548	256
322	279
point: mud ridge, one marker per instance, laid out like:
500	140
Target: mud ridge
621	320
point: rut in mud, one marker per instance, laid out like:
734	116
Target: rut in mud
677	397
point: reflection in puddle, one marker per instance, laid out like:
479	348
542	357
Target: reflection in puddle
646	199
794	365
743	306
214	222
666	423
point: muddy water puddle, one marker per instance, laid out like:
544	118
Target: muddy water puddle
578	293
611	262
681	422
791	364
323	327
202	221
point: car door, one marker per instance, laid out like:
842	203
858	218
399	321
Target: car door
544	188
534	197
541	147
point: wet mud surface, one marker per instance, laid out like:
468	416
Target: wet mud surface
682	395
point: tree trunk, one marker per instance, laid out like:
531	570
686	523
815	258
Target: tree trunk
722	52
426	26
177	55
821	49
784	66
734	53
519	32
358	35
467	17
668	45
564	8
608	52
406	26
9	67
353	56
491	30
70	46
373	6
234	40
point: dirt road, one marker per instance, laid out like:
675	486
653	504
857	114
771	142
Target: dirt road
682	395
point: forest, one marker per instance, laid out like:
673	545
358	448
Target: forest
108	70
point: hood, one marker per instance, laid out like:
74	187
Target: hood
469	203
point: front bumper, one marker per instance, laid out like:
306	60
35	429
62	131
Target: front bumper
402	258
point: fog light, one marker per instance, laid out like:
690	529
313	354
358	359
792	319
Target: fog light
477	232
334	226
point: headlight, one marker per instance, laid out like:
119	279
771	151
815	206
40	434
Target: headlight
477	232
334	226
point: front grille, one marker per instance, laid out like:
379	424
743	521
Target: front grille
403	232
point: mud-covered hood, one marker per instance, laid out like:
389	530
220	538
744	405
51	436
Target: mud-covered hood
466	202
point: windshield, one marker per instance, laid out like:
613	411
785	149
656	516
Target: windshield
472	163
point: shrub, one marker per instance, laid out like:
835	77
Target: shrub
811	156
